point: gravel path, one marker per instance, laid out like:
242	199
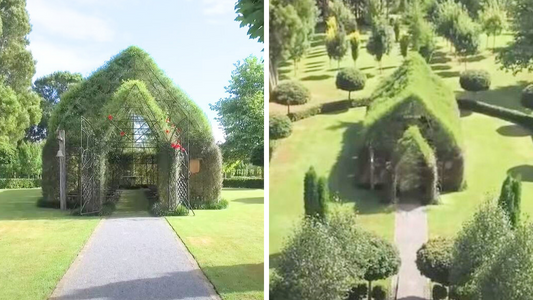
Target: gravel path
134	258
411	231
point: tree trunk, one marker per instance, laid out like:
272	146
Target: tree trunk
349	93
369	290
494	43
288	108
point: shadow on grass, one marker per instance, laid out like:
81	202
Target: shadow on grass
440	59
342	176
366	68
449	74
506	96
256	200
440	67
273	260
177	285
316	77
513	131
315	64
315	54
474	58
315	69
524	171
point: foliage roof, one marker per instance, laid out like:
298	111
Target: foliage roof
90	97
413	142
413	83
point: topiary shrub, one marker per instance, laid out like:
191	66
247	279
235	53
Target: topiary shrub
434	260
279	127
404	45
350	79
527	97
358	292
291	93
379	292
439	292
475	80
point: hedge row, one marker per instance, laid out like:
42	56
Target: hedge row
243	182
19	183
329	107
497	111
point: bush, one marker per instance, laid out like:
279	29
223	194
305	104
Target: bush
19	183
216	205
303	114
439	292
434	260
350	79
379	292
310	192
322	194
179	211
291	93
358	292
475	80
527	97
510	199
244	182
279	126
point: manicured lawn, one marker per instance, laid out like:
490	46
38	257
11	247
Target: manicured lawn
228	244
37	245
328	142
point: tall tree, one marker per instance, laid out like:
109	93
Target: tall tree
519	54
241	114
510	199
480	239
20	106
250	13
381	40
493	20
383	260
343	15
50	88
336	44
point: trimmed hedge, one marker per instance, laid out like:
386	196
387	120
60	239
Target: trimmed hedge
497	111
244	182
330	107
475	80
280	126
19	183
291	93
527	97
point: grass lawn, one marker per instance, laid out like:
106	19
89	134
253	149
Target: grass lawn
37	245
328	142
228	244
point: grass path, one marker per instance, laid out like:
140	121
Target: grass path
132	203
228	244
37	245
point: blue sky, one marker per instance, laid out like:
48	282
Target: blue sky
196	42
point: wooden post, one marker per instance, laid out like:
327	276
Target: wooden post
62	170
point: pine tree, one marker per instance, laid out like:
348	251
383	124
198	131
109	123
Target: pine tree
510	199
322	197
310	192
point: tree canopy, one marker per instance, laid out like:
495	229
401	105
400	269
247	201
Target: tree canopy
241	114
250	13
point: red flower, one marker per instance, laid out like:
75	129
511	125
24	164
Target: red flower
110	117
122	133
167	131
183	149
173	145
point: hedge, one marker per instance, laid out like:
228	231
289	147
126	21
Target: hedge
497	111
243	182
527	97
279	127
330	107
475	80
19	183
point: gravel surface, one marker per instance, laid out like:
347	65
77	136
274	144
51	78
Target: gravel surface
136	258
411	231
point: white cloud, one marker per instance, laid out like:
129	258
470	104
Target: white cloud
58	19
218	7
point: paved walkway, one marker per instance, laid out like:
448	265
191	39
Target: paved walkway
134	258
411	231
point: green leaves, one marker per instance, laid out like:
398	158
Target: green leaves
251	14
241	114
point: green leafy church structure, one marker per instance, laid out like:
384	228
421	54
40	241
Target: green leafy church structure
412	136
128	124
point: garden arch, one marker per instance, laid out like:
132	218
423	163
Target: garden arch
129	106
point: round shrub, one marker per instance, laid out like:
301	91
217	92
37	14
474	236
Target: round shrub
434	260
527	97
439	292
379	293
280	126
350	79
475	80
291	93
